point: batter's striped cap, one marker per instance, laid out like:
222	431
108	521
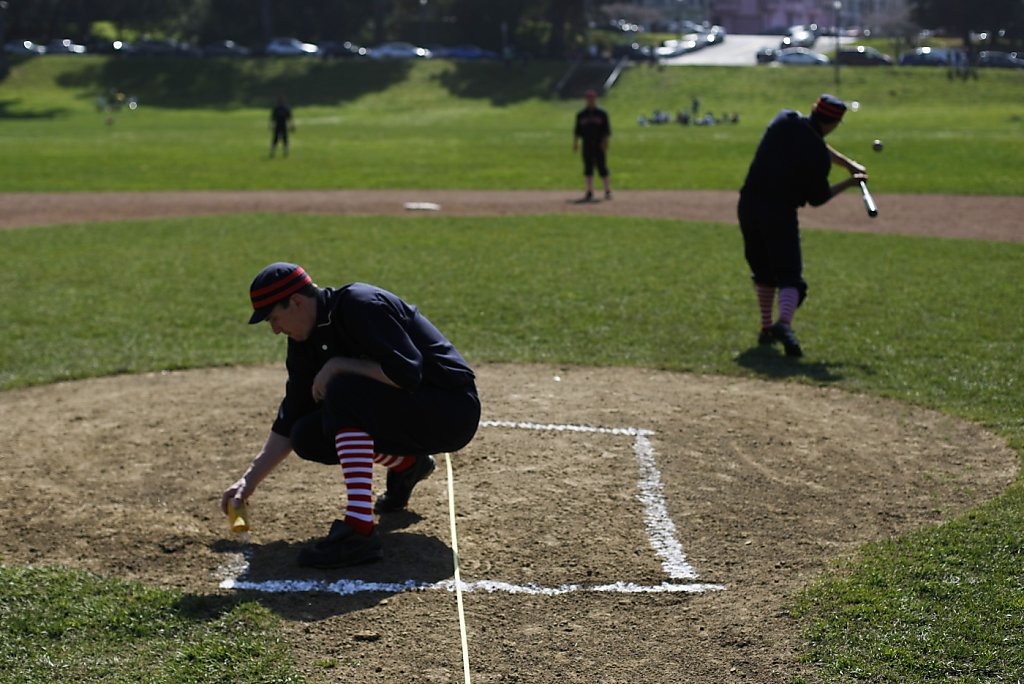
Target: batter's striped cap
830	108
274	284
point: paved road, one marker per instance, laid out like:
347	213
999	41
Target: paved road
739	50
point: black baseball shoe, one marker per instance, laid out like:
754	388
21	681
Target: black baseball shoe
343	546
765	337
588	197
607	194
784	334
400	485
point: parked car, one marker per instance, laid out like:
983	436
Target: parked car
339	48
634	51
1005	60
716	35
153	47
925	56
400	51
799	38
23	47
106	47
464	52
766	55
291	47
799	55
64	46
862	55
225	48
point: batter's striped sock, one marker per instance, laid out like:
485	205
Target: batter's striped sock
396	464
765	302
789	300
355	453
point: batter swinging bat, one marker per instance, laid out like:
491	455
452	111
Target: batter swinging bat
869	201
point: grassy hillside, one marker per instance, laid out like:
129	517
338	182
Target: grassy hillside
203	125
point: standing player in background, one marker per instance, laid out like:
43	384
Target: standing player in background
281	122
370	380
790	169
594	127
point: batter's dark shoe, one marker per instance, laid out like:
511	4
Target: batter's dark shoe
343	546
608	194
784	334
400	485
588	197
766	337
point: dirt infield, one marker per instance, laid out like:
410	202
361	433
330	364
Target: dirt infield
122	476
986	218
615	525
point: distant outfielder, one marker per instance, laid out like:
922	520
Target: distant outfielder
594	127
790	169
281	123
370	381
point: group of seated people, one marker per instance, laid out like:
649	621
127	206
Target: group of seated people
686	118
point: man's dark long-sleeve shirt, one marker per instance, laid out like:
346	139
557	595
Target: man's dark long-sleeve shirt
791	165
365	322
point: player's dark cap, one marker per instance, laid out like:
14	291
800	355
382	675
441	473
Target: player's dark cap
274	284
829	108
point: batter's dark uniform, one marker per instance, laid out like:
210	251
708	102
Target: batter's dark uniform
434	409
281	115
790	169
593	127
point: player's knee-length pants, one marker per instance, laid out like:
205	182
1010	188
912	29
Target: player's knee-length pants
771	245
427	420
593	156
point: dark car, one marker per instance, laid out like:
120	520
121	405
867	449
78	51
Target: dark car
464	52
341	48
151	47
862	55
634	51
925	56
1004	60
766	55
225	48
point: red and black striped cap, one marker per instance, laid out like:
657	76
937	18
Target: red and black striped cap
830	108
274	284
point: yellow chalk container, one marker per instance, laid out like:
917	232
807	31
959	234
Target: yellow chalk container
238	516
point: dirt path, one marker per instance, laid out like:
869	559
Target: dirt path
986	218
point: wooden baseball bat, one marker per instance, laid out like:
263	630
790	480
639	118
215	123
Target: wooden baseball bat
869	201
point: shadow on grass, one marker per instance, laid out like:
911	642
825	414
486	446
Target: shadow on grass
770	362
6	113
502	84
188	83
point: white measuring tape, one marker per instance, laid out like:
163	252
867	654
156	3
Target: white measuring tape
455	560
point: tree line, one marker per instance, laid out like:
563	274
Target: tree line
540	27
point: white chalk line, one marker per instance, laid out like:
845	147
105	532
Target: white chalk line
660	530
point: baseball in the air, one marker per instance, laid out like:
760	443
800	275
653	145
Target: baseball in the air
877	146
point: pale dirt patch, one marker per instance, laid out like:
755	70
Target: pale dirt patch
766	483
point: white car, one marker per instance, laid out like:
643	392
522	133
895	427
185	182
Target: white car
291	47
399	51
24	47
799	55
64	46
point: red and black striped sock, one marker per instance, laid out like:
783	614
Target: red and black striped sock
765	303
789	300
396	464
355	453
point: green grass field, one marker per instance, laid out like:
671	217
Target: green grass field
934	322
400	125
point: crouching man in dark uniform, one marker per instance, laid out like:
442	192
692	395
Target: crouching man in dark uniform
790	169
370	380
